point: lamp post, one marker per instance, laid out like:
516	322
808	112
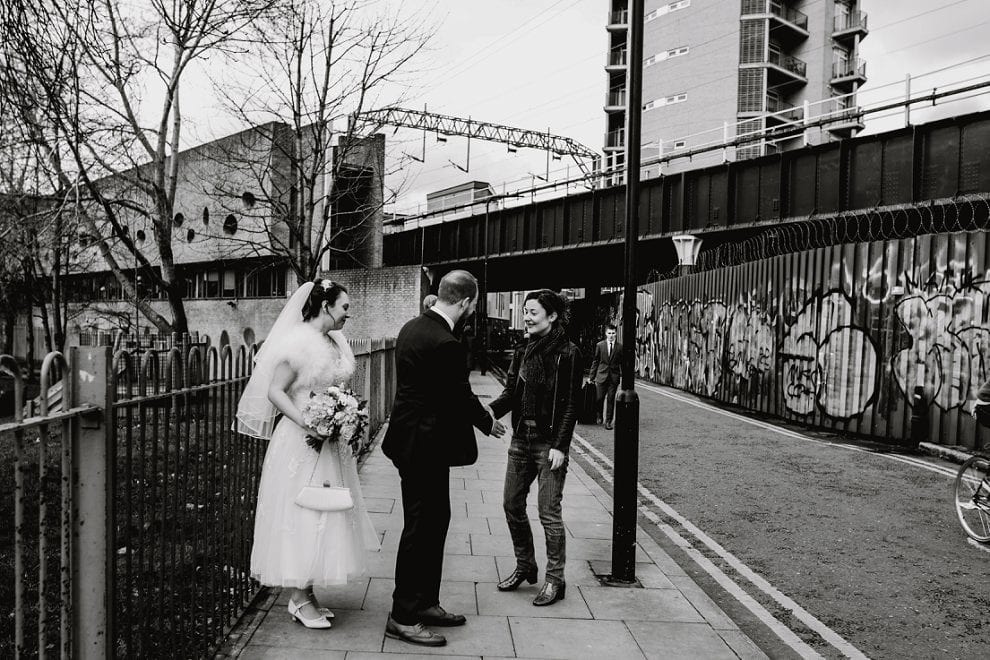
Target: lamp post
627	400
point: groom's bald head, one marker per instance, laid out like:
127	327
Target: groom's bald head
457	285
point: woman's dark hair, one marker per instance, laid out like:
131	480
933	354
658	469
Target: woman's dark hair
552	302
324	291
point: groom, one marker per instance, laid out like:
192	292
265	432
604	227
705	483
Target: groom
430	429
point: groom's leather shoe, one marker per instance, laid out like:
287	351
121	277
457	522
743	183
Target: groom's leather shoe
437	616
518	576
414	634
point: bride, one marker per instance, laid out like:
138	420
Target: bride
296	547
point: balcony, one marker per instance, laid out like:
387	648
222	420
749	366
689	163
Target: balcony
848	73
615	140
781	112
847	26
618	20
787	24
616	100
847	120
782	70
616	60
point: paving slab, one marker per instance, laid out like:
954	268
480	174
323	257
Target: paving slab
573	639
640	604
679	641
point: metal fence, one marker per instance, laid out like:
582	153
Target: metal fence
142	484
886	338
44	508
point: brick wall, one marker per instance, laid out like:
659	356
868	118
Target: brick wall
382	299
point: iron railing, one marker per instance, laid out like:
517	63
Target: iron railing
620	17
854	20
183	492
849	69
782	110
40	523
133	510
788	62
616	138
778	9
616	98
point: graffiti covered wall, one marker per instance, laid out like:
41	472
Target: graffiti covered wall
838	337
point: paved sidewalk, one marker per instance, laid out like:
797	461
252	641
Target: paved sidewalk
670	617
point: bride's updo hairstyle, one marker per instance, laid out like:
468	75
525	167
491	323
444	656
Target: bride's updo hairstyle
324	291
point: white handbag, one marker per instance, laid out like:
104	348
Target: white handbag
325	497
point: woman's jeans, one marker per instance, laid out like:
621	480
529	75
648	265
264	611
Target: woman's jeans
529	460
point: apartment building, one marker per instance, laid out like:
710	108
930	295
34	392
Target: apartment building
716	69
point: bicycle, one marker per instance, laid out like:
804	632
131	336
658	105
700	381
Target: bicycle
972	492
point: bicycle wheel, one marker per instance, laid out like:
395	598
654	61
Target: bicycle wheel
973	497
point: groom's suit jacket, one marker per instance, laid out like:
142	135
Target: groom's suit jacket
435	409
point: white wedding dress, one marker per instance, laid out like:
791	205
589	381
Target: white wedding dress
294	546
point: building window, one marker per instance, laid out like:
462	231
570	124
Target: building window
666	55
229	284
212	284
266	282
667	100
666	9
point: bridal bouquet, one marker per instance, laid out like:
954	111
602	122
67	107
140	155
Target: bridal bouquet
336	413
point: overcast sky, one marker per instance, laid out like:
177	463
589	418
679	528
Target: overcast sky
538	64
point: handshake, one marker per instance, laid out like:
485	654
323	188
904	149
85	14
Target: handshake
498	428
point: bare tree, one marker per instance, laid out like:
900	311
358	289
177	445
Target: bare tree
312	196
97	83
38	228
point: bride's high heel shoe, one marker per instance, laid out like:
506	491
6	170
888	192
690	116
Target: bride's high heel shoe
325	611
296	612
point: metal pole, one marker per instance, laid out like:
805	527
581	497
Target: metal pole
907	99
93	540
627	400
486	320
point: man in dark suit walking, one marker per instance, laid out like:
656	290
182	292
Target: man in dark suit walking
431	429
606	372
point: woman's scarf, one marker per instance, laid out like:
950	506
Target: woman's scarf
534	368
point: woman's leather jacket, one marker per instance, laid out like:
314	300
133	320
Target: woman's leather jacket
559	412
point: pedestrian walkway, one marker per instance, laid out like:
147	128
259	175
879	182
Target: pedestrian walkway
669	617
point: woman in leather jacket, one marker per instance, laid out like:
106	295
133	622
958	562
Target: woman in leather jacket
543	391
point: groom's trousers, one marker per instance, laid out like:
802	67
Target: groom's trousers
419	561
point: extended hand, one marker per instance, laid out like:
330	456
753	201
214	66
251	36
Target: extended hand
556	458
498	429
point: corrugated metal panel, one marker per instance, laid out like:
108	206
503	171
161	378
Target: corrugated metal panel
836	337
